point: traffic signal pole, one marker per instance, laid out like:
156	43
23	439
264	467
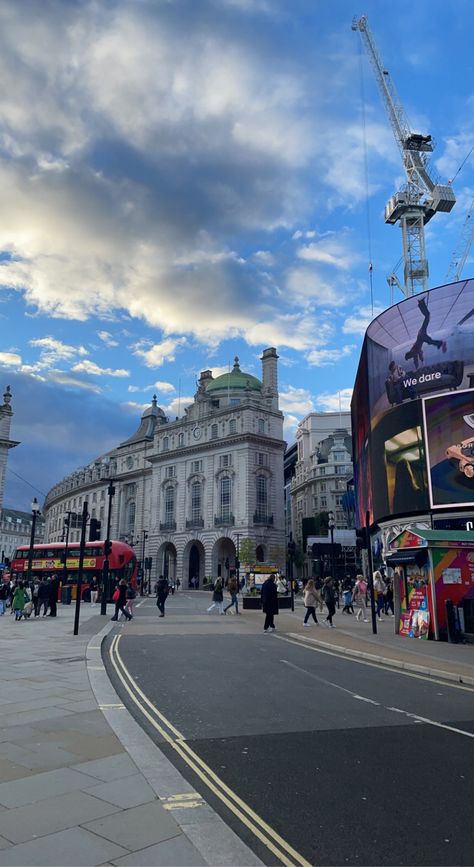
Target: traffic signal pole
371	572
85	515
107	544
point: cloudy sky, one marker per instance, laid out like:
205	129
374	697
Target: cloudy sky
187	180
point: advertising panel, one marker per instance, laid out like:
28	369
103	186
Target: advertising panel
449	438
420	347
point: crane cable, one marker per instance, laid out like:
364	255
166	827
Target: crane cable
366	173
451	181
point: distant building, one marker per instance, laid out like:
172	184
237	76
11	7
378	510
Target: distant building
188	491
15	530
6	443
322	471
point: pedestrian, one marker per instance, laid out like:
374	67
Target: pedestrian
389	598
120	599
360	597
318	587
380	588
217	597
18	601
34	596
347	596
330	600
162	590
178	584
131	596
269	596
233	590
94	588
53	595
43	597
310	602
4	593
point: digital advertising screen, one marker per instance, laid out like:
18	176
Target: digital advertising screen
449	438
420	348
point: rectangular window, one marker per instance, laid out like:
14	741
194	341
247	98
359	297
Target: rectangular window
169	505
234	400
225	460
214	432
233	426
261	426
322	486
170	472
225	498
261	497
322	471
196	466
324	502
196	501
261	459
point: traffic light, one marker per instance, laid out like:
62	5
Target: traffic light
237	563
94	530
361	539
107	548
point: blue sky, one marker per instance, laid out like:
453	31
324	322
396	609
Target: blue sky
183	181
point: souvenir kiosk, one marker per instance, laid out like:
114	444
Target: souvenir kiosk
433	582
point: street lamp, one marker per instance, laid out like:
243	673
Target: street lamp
331	525
144	538
105	570
35	509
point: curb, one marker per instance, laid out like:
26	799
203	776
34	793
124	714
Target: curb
213	839
386	661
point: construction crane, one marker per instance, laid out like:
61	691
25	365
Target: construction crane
461	252
422	196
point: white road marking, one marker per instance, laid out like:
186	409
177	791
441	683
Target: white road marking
414	716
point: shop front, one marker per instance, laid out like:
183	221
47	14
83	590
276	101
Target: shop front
433	583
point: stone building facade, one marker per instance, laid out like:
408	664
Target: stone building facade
188	491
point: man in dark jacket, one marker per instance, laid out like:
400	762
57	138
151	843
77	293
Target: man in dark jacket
269	602
162	590
53	595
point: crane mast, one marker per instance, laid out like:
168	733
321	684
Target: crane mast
421	197
461	253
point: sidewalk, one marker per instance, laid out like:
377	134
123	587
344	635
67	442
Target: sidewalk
354	638
70	793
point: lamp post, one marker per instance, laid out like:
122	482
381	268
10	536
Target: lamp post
105	569
144	538
67	527
237	562
331	525
35	512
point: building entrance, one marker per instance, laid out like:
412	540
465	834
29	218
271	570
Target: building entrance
194	564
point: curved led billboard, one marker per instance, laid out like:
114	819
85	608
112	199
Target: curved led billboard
413	406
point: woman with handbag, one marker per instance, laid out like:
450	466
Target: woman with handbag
120	599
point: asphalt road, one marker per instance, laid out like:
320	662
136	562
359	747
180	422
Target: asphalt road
330	752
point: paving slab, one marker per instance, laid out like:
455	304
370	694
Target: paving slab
170	853
138	827
18	793
74	846
51	815
109	768
4	844
126	792
13	771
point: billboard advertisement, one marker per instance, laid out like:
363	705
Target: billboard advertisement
421	347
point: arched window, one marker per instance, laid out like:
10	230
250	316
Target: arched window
130	518
196	501
169	504
166	443
260	554
181	440
261	426
225	498
261	498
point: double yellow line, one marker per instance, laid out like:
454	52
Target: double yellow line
263	832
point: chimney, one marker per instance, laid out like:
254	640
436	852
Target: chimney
270	374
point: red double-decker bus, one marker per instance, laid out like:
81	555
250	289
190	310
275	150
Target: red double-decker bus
49	559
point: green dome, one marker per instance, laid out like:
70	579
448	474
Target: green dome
236	379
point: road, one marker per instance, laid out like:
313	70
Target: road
343	761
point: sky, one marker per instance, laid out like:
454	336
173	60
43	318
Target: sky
184	181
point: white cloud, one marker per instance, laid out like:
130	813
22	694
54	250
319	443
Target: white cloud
10	359
324	357
333	402
158	353
306	285
176	407
360	319
63	378
329	251
93	369
107	338
164	387
52	349
264	257
296	401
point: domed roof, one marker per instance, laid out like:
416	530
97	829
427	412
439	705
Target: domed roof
236	379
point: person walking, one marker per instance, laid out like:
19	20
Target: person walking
329	597
53	596
233	590
217	597
318	587
121	600
162	590
18	601
43	597
34	596
4	593
347	596
94	589
389	598
360	598
380	589
269	596
131	596
311	599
